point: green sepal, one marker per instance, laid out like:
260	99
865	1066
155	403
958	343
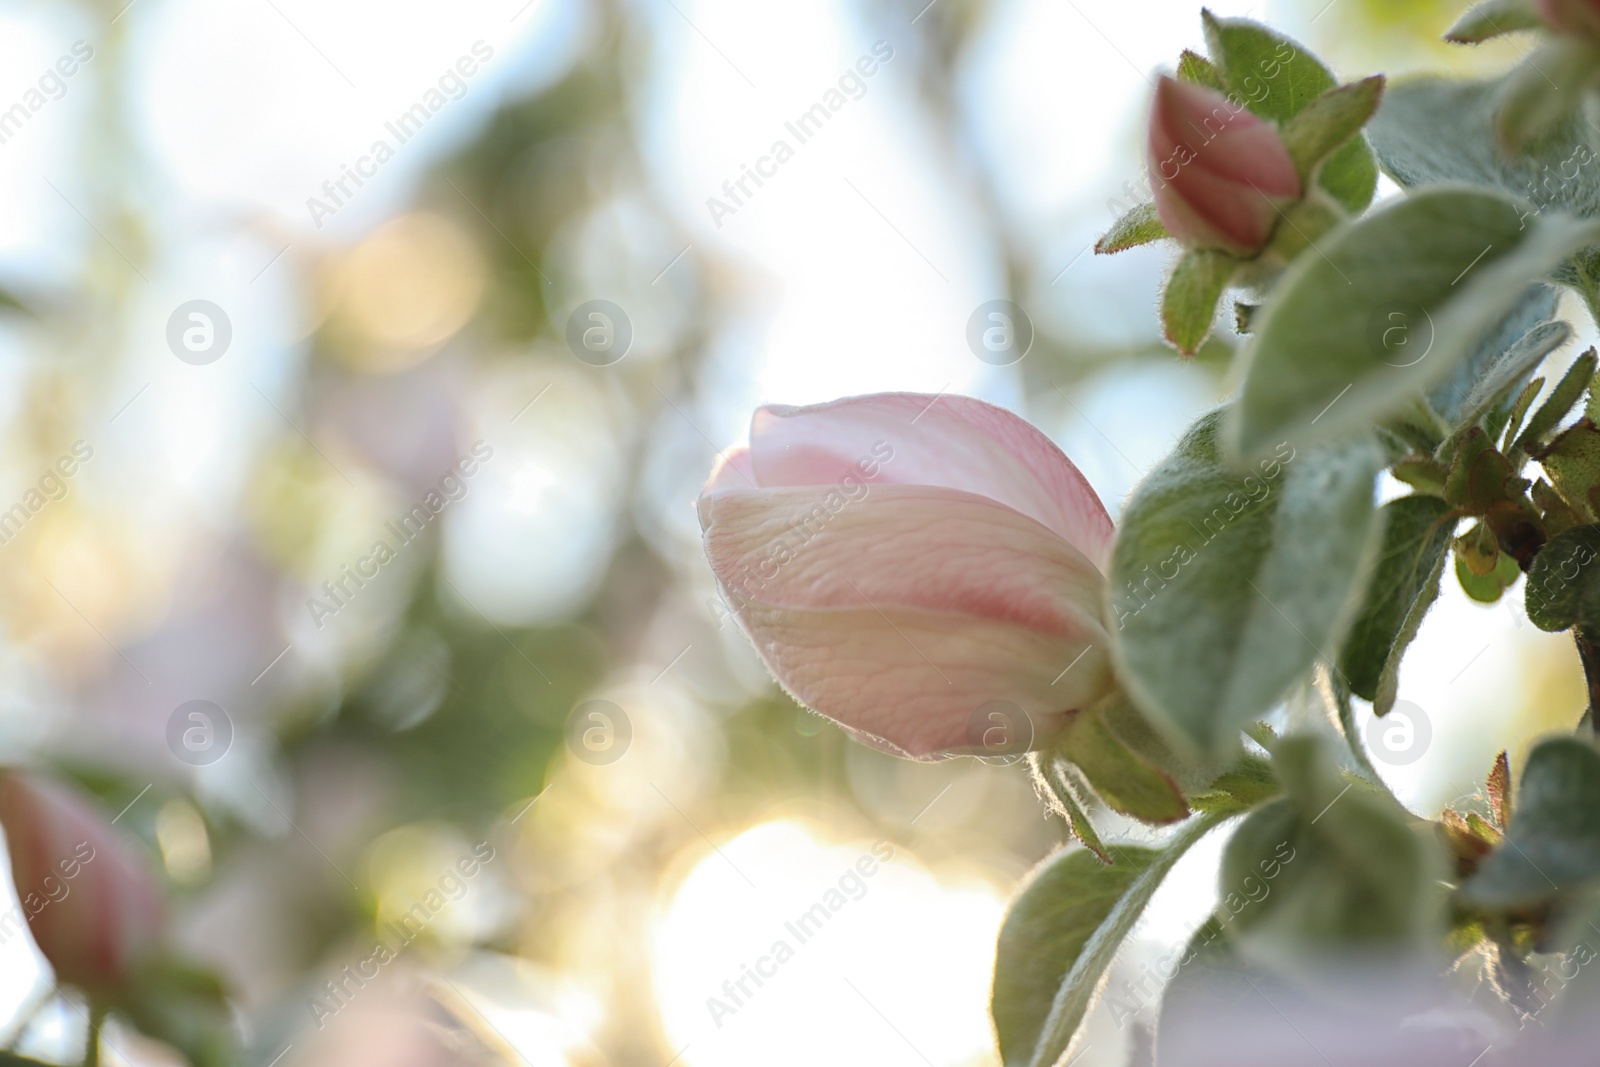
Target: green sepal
1487	480
1189	301
1498	785
1249	783
1479	549
1127	781
1555	513
1329	121
1299	227
1137	226
1198	70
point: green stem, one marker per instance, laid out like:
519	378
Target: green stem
91	1039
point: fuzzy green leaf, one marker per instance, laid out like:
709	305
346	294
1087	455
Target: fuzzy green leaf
1394	303
1416	535
1354	870
1432	130
1563	584
1032	914
1225	585
1388	688
1572	461
1503	359
1060	906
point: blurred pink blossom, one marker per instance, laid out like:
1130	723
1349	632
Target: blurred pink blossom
94	910
1579	17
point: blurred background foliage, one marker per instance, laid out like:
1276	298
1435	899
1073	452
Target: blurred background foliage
432	713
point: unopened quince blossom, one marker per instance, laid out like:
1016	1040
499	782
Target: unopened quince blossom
1220	174
903	562
94	910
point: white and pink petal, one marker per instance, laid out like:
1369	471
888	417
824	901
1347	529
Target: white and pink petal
951	441
905	610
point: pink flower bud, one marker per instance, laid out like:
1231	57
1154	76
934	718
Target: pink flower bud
1580	18
1220	174
919	569
93	909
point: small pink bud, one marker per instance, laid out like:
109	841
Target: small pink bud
94	910
1580	18
1219	173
